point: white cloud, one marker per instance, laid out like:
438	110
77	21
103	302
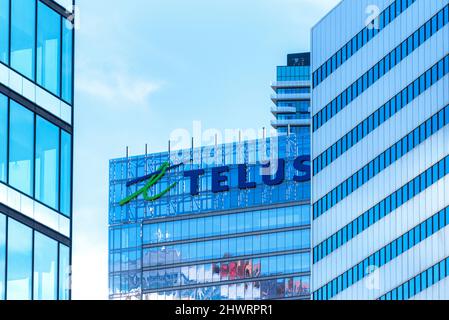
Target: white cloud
116	87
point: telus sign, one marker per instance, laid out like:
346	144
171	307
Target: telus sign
220	178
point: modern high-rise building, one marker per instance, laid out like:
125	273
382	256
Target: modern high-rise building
36	127
292	96
380	151
213	223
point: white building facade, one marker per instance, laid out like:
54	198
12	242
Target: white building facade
380	151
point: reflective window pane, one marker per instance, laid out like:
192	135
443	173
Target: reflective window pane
67	60
45	268
66	176
21	148
4	31
23	20
2	255
48	48
20	247
3	136
64	272
47	163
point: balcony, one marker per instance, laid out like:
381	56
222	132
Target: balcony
290	97
277	110
292	123
290	84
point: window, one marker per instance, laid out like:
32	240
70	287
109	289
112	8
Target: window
21	148
48	48
19	261
4	31
3	136
23	36
45	268
2	255
47	163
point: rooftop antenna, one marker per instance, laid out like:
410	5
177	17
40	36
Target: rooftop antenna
146	149
191	154
127	152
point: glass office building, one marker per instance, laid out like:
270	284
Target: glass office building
212	225
36	113
292	96
380	151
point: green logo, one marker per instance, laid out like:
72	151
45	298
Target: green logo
152	180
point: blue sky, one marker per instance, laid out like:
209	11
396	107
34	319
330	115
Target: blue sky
147	67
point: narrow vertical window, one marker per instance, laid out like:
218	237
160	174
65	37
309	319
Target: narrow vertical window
21	148
64	272
2	255
47	163
67	61
66	173
3	136
23	21
45	268
48	48
4	31
20	261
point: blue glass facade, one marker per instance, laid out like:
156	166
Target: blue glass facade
36	50
292	95
245	240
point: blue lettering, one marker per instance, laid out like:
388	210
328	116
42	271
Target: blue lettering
278	178
194	176
218	179
301	166
243	176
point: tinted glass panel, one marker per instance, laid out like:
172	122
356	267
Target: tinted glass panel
3	136
45	268
23	20
20	245
48	48
21	148
47	163
66	169
4	31
64	272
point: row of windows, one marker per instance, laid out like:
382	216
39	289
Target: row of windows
362	38
293	90
38	43
226	224
225	248
254	290
381	68
385	255
382	209
419	283
32	266
384	160
227	271
300	105
381	115
294	116
293	73
35	156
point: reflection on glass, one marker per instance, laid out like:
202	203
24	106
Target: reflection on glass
20	260
23	21
67	60
47	163
45	268
21	148
2	255
4	31
3	136
66	176
48	48
64	273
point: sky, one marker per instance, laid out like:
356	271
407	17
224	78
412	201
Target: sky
145	68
